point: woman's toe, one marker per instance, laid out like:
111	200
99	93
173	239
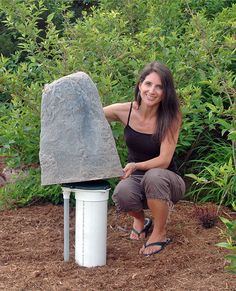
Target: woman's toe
142	250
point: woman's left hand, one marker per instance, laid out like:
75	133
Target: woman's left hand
129	169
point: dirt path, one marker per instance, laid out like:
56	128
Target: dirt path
31	255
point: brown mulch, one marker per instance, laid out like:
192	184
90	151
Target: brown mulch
31	254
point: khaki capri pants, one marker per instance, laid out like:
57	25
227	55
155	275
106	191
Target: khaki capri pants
132	193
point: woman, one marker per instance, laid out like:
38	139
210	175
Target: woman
151	130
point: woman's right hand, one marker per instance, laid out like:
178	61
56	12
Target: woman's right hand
129	169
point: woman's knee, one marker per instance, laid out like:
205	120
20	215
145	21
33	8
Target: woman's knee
153	177
156	184
119	197
126	198
163	184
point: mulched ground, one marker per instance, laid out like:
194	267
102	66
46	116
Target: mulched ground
31	254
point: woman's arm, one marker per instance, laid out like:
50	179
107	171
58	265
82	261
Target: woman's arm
117	112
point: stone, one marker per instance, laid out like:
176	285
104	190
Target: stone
76	142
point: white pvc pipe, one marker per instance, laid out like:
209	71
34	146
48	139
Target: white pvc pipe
91	227
66	196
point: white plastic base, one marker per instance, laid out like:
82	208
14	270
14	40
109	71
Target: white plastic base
91	227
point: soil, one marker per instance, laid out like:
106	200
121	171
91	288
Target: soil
31	254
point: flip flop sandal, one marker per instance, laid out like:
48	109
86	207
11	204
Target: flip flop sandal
147	226
161	244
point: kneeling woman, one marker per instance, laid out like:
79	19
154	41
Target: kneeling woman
151	130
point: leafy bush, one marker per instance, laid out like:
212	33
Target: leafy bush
27	190
111	44
230	244
215	179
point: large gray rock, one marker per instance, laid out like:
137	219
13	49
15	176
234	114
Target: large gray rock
76	142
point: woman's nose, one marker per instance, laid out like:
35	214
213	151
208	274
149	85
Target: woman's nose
152	89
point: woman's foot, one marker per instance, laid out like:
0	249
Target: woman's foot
149	249
154	244
136	235
140	228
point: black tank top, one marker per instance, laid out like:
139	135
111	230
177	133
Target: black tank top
142	147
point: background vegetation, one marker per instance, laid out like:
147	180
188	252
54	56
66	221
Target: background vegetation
111	41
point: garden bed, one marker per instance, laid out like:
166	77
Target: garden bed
31	256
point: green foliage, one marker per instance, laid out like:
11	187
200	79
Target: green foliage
112	43
210	109
215	178
27	190
230	244
210	7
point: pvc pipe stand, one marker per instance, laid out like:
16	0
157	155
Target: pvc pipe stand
91	227
91	222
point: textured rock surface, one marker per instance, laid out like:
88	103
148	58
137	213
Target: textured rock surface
76	142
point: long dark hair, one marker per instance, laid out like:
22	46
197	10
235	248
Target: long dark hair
168	112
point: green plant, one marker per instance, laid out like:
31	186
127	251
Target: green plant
111	42
213	173
215	182
26	190
230	243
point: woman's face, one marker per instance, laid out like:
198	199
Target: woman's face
151	89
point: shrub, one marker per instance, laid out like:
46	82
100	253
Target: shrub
26	190
195	41
230	244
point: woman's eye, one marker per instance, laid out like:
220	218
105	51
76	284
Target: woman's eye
149	84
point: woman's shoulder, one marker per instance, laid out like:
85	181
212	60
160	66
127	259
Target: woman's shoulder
117	111
119	107
122	106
